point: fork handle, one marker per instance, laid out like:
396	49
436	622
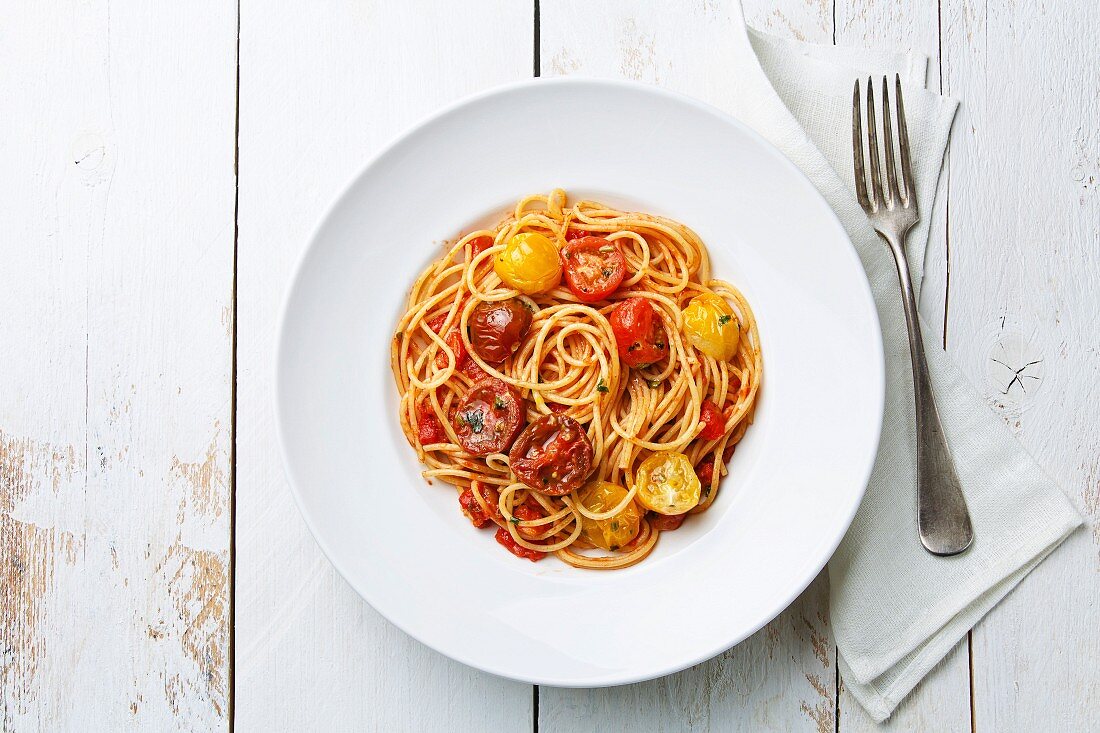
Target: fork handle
942	517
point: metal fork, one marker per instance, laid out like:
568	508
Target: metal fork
942	517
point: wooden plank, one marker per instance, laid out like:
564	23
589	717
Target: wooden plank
321	91
783	678
941	702
115	360
1025	230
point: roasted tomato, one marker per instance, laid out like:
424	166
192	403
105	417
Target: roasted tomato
529	263
711	326
473	511
454	340
666	523
552	456
505	538
488	418
714	422
667	483
594	268
638	333
479	244
529	511
572	234
428	428
615	531
705	471
497	328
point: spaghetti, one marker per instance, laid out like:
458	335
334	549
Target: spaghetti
578	376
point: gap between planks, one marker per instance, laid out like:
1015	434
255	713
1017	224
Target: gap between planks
231	702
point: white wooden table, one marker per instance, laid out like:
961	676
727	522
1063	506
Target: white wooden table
161	165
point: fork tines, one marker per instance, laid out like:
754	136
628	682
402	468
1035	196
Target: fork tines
882	193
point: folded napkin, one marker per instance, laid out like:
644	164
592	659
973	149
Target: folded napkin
896	610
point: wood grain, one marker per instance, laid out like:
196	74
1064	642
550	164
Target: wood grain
116	289
320	92
1025	288
115	365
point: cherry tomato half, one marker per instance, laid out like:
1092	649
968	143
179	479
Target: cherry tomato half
529	511
473	511
497	328
638	333
667	483
479	244
428	428
594	268
454	340
553	455
488	418
705	471
615	531
714	422
504	537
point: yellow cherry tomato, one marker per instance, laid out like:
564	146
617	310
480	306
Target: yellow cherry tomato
667	483
711	326
529	263
613	532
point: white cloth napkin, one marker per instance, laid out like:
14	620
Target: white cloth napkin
896	610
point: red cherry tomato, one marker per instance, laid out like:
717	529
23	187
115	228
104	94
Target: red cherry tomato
594	268
480	517
638	333
453	339
504	537
428	428
714	422
666	522
553	455
572	234
498	328
479	244
705	472
527	512
471	509
488	418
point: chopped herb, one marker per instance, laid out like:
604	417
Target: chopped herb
614	526
606	272
546	479
601	386
474	418
723	320
526	305
498	403
654	383
567	254
634	346
514	520
607	248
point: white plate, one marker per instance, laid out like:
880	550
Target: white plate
794	483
